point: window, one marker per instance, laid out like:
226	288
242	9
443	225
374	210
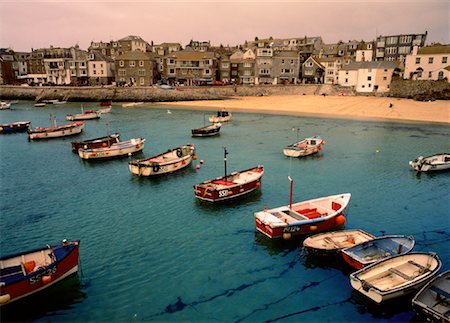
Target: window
430	60
171	71
122	72
93	65
444	60
141	72
132	63
369	78
95	72
121	63
430	74
142	81
384	78
417	60
141	63
440	75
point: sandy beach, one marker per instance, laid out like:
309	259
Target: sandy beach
349	107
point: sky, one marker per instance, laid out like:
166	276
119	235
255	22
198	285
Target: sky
32	24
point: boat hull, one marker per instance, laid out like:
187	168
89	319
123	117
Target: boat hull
124	148
395	276
96	143
214	191
83	116
56	132
15	127
306	147
169	162
207	131
436	162
275	224
17	285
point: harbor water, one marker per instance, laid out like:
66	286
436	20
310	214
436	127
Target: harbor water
151	252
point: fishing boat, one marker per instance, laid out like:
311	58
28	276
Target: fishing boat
105	103
396	276
131	104
104	110
84	115
431	163
377	249
5	105
40	104
56	131
333	242
168	162
19	126
54	101
96	142
433	300
305	147
207	131
25	273
229	186
302	218
221	116
118	149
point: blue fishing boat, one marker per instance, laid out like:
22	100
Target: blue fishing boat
20	126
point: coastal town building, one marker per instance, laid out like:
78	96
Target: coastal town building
8	66
101	69
332	67
367	76
115	48
264	65
160	51
134	68
243	67
313	71
397	47
285	67
428	63
199	46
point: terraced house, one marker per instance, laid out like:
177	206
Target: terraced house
134	68
428	63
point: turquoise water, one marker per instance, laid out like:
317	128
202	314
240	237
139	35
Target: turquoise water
150	252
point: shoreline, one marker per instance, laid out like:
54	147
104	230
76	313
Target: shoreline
344	107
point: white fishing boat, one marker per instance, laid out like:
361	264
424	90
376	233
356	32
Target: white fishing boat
168	162
5	105
333	242
84	115
305	147
104	110
55	131
431	163
118	149
433	300
221	116
396	276
131	104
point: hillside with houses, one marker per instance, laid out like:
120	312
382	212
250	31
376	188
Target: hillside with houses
365	67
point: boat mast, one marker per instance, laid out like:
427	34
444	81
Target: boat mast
225	153
290	193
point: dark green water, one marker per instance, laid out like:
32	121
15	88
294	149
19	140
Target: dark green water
151	252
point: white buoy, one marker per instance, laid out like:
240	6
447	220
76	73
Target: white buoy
201	161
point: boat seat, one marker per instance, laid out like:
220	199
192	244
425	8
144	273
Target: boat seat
421	267
440	292
399	273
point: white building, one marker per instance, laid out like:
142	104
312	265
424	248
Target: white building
428	63
367	76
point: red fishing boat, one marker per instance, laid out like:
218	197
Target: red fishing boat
26	273
230	186
311	216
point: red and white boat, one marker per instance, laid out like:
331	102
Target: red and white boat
117	149
55	131
305	147
231	185
84	115
311	216
25	273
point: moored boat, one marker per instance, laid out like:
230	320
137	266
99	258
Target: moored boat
333	242
377	249
19	126
104	110
431	163
55	131
305	147
433	300
40	104
84	115
207	131
96	142
306	217
221	116
131	104
118	149
230	186
25	273
5	105
168	162
54	101
396	276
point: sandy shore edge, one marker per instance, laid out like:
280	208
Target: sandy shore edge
358	107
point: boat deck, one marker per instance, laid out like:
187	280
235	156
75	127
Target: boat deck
300	213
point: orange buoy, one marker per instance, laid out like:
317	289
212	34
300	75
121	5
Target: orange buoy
46	279
258	184
104	144
340	220
197	167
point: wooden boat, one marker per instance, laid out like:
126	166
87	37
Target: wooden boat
230	186
207	131
131	104
334	242
396	276
311	216
221	116
305	147
433	300
431	163
118	149
104	110
96	142
40	104
54	101
84	115
168	162
377	249
19	126
25	273
5	105
55	131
